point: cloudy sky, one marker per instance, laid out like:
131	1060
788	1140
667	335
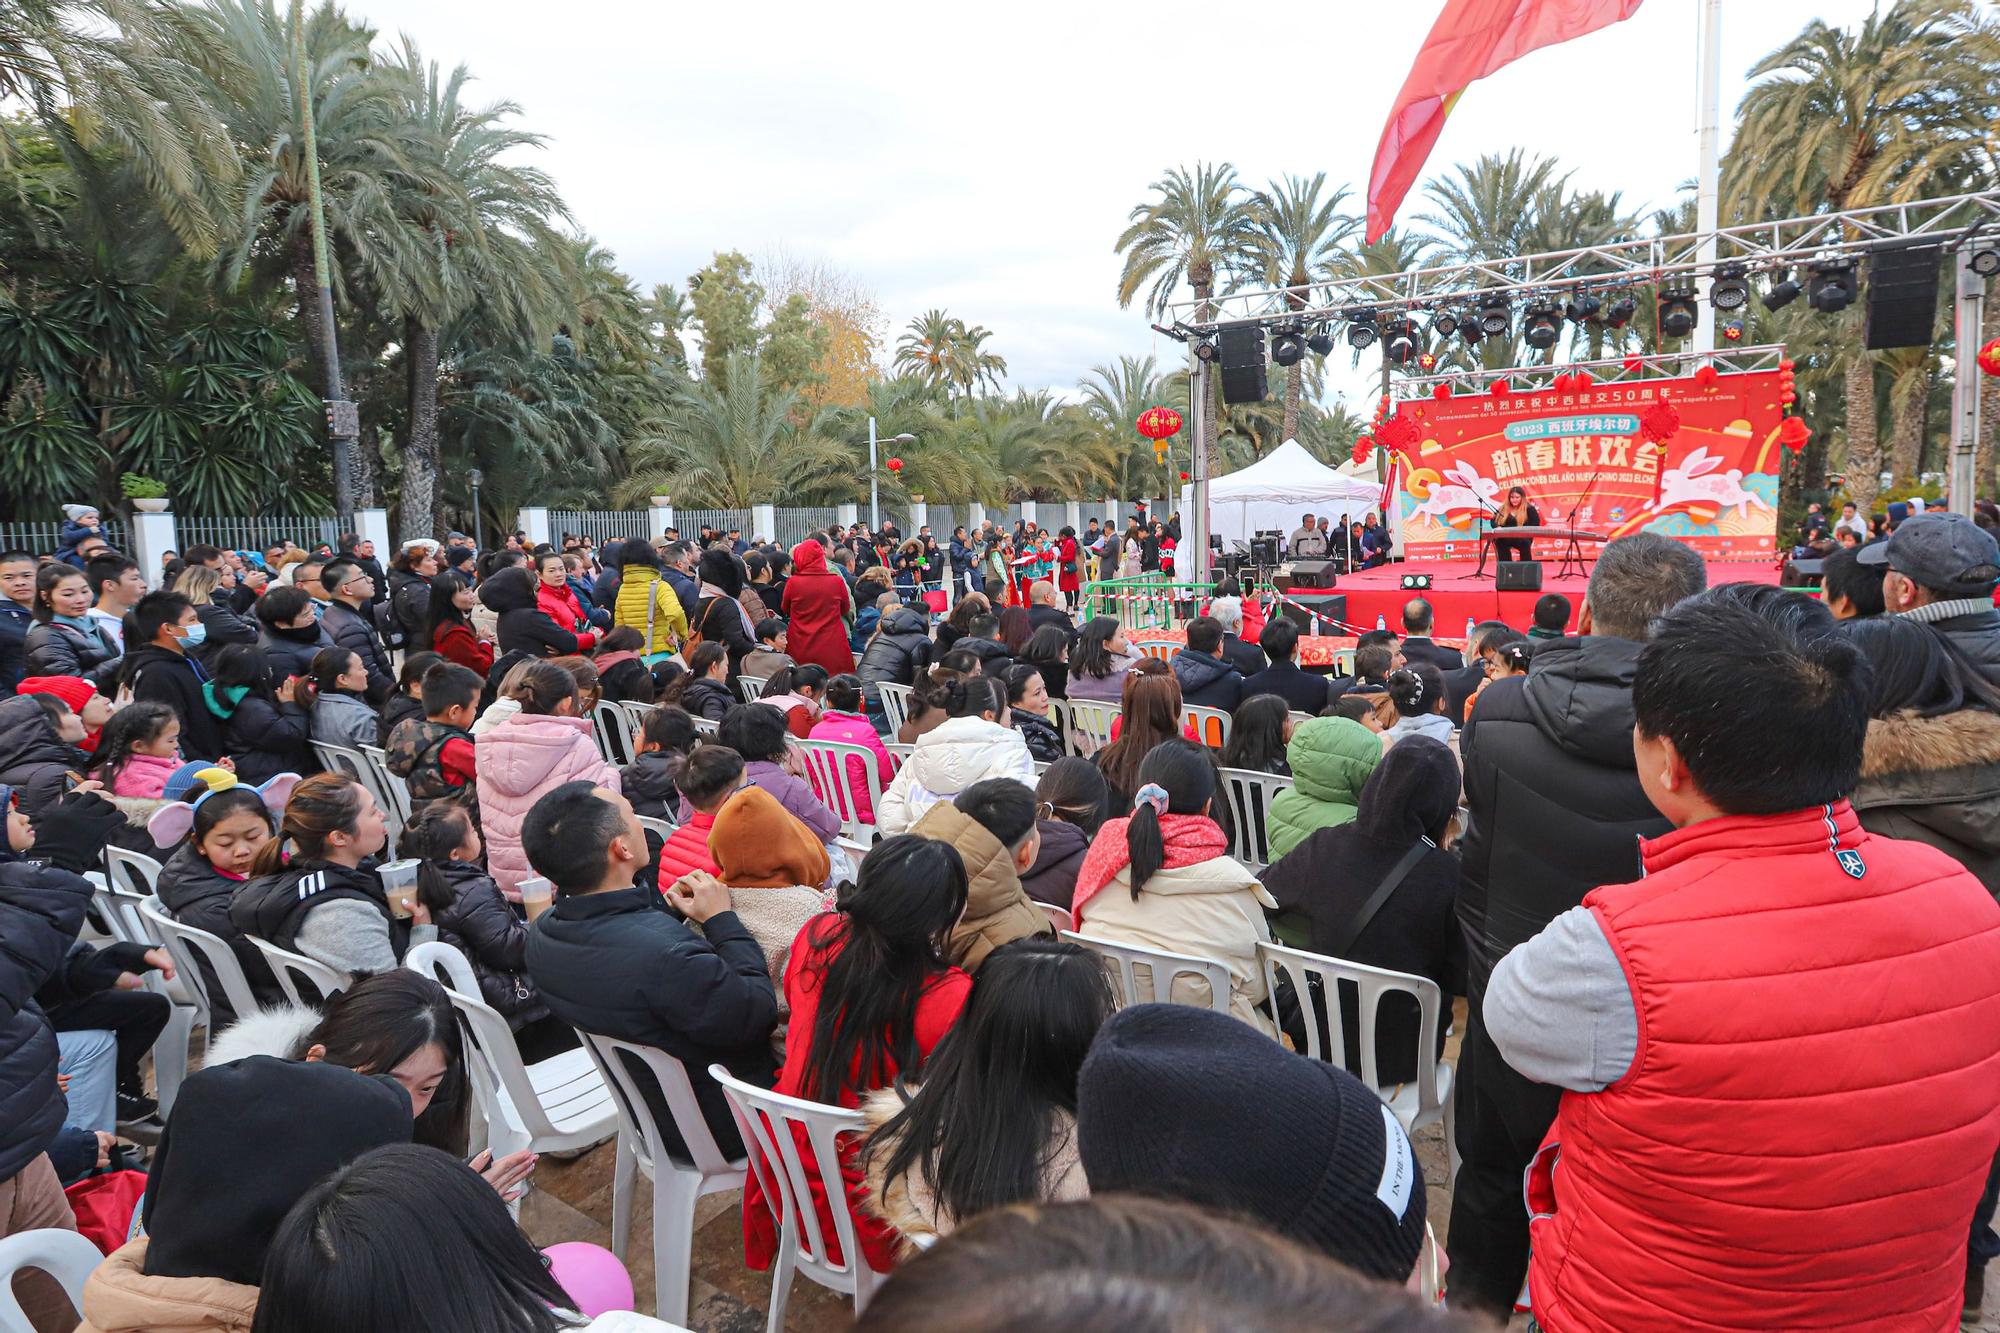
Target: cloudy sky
983	158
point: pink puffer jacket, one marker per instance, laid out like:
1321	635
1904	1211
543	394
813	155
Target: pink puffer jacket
518	761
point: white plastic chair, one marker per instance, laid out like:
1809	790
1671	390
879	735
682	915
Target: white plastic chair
1162	970
1211	725
129	879
642	1149
356	765
832	767
900	750
190	946
1425	1101
654	824
134	872
616	735
1250	795
704	727
63	1254
1060	917
1093	718
555	1105
751	687
767	1120
391	786
1164	649
895	705
288	967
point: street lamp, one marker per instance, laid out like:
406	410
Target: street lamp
874	489
475	476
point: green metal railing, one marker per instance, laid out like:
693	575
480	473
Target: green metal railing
1146	602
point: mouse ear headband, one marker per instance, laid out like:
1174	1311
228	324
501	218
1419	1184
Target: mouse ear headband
172	822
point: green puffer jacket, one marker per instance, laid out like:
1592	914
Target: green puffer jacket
1331	758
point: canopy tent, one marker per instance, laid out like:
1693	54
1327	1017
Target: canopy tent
1278	490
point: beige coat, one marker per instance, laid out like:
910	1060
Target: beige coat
1212	910
997	908
907	1204
120	1298
774	918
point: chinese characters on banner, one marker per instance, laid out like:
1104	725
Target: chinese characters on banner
1584	459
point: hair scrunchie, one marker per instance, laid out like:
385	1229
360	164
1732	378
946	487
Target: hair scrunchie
1152	794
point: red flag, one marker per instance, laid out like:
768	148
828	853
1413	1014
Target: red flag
1471	39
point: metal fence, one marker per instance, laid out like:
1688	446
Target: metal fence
601	525
254	534
44	538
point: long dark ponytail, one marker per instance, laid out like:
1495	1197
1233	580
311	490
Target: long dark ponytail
1184	771
888	942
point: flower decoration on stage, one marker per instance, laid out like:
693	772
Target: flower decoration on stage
1499	388
1989	357
895	465
1441	392
1397	433
1793	434
1426	361
1659	422
1159	423
1705	378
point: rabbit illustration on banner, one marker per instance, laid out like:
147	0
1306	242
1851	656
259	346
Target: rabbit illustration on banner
1694	482
1459	497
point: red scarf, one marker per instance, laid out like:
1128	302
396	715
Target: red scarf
1189	840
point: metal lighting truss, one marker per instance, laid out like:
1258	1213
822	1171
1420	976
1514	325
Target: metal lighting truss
1610	370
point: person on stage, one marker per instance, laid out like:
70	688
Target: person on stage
1517	513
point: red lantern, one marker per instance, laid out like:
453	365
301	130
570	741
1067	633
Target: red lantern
1788	366
1793	434
1363	447
1158	423
1989	357
1634	362
895	465
1184	476
1441	392
1499	388
1659	422
1706	377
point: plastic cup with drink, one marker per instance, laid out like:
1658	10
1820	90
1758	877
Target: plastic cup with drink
399	882
537	895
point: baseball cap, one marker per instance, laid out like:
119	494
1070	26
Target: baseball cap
1942	551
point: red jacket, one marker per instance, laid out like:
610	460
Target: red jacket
686	849
1814	1101
560	605
816	604
1066	572
456	644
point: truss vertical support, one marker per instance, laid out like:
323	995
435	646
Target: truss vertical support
1193	562
1708	182
1961	479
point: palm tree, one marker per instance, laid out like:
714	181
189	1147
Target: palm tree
732	446
946	354
1850	118
1298	242
1114	396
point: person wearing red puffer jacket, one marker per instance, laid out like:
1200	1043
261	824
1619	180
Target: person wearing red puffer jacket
1781	1047
708	779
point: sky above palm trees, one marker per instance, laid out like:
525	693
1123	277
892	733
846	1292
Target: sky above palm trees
983	159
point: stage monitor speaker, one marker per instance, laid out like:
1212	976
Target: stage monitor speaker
1242	348
1326	609
1312	573
1902	295
1519	576
1804	573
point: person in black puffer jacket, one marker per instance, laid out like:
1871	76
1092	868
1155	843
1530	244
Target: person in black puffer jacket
263	730
982	640
900	650
1556	810
524	626
704	691
198	881
291	634
718	616
34	758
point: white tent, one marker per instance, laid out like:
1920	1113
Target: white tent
1279	489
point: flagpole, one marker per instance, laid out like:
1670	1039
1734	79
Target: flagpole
1708	79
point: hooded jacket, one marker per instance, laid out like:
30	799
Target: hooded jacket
33	758
997	909
54	648
121	1297
518	760
41	911
949	758
706	699
199	895
900	649
646	602
524	626
816	604
1052	878
1936	780
773	866
480	925
1555	801
1331	758
161	675
1411	796
992	654
1207	681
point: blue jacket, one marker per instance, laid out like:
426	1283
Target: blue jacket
41	910
585	598
15	622
74	532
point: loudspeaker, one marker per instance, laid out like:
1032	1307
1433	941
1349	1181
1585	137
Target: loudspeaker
1804	573
1519	576
1902	295
1312	573
1242	348
1326	609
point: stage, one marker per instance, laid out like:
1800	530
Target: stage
1457	595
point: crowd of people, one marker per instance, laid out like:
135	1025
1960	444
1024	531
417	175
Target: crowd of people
1717	876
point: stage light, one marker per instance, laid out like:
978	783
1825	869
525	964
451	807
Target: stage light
1731	330
1494	317
1468	329
1445	322
1583	306
1540	324
1399	341
1678	312
1416	583
1621	311
1728	289
1288	347
1985	262
1782	291
1361	329
1204	349
1830	284
1321	343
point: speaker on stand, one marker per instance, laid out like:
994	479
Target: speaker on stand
1242	357
1518	576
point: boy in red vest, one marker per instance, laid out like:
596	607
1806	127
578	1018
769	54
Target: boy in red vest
1781	1045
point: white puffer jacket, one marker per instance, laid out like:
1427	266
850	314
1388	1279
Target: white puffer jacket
949	758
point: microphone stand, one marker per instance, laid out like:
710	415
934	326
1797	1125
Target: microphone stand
1486	513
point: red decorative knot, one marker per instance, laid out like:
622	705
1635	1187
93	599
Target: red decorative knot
1659	423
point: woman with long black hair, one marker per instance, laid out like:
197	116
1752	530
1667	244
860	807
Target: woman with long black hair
871	996
994	1121
447	628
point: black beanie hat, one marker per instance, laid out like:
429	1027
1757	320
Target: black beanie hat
245	1142
1188	1104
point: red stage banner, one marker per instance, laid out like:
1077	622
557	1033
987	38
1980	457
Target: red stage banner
1585	456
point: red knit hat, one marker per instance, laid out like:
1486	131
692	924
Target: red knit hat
72	690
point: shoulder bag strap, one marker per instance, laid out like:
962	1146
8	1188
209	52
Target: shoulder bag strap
1359	922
